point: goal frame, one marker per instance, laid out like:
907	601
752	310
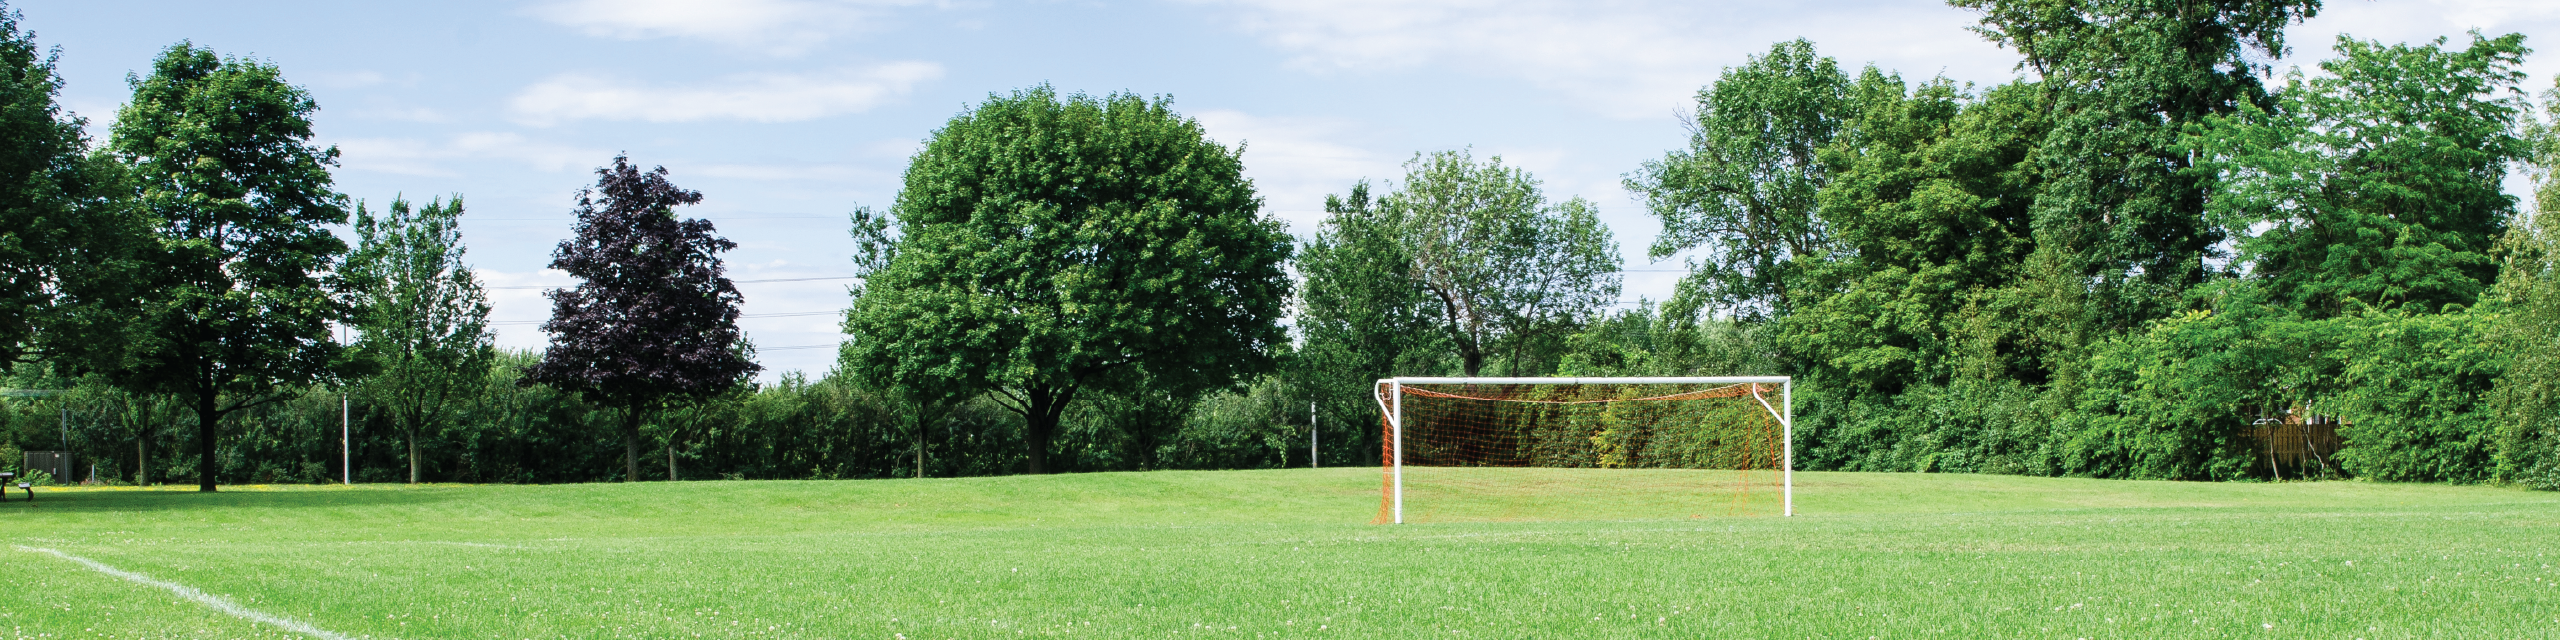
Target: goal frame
1784	412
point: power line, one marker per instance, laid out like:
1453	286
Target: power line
796	314
557	286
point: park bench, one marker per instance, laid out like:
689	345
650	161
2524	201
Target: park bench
5	477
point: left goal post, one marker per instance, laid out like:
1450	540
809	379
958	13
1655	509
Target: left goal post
1741	423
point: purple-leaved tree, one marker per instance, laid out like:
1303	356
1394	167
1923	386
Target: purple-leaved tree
654	324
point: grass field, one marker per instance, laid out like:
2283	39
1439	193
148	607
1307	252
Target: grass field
1290	554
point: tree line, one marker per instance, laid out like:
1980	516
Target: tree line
2115	265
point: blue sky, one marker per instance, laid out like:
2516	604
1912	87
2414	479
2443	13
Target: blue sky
787	114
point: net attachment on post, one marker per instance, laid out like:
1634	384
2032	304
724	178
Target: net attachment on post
1444	437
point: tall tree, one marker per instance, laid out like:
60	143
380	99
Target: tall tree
1745	189
1361	316
1505	266
2122	201
1051	244
2380	182
653	322
236	305
424	319
65	237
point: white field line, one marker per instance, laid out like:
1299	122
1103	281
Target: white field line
225	605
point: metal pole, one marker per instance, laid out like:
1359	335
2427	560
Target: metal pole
1396	420
346	450
1787	395
1312	463
346	445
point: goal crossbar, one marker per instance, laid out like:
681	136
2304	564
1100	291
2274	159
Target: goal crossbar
1392	403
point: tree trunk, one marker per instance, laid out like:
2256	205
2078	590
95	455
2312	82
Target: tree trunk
631	445
1040	422
413	456
1470	357
671	458
142	460
206	420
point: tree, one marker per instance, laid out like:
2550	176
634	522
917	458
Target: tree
1744	190
235	305
1504	266
1051	244
2378	184
1361	316
2527	398
423	317
64	236
2122	201
654	322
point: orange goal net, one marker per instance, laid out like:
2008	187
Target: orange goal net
1520	448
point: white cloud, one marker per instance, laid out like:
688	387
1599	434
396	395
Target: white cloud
779	27
1295	162
770	97
1629	58
2413	22
429	158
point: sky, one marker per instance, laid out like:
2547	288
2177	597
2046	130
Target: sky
789	114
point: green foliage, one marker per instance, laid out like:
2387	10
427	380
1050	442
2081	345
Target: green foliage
1361	318
2120	198
1929	210
1744	190
2377	183
1507	269
2526	402
234	306
424	319
2170	403
65	239
2412	387
1048	245
1651	341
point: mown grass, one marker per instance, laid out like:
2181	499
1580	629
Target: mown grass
1537	553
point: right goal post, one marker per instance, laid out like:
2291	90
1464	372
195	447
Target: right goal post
1741	426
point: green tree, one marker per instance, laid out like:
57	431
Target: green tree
1361	317
236	306
66	240
423	318
1744	190
1505	267
1928	210
2378	184
1048	244
2121	201
2526	401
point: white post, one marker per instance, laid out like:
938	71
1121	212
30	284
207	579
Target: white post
1787	431
1396	421
346	451
1312	463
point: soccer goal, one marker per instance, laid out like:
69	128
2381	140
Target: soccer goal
1736	432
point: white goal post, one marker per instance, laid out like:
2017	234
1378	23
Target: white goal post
1391	402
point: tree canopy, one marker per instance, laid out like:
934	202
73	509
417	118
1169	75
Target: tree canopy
423	318
653	320
66	241
1048	245
238	300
